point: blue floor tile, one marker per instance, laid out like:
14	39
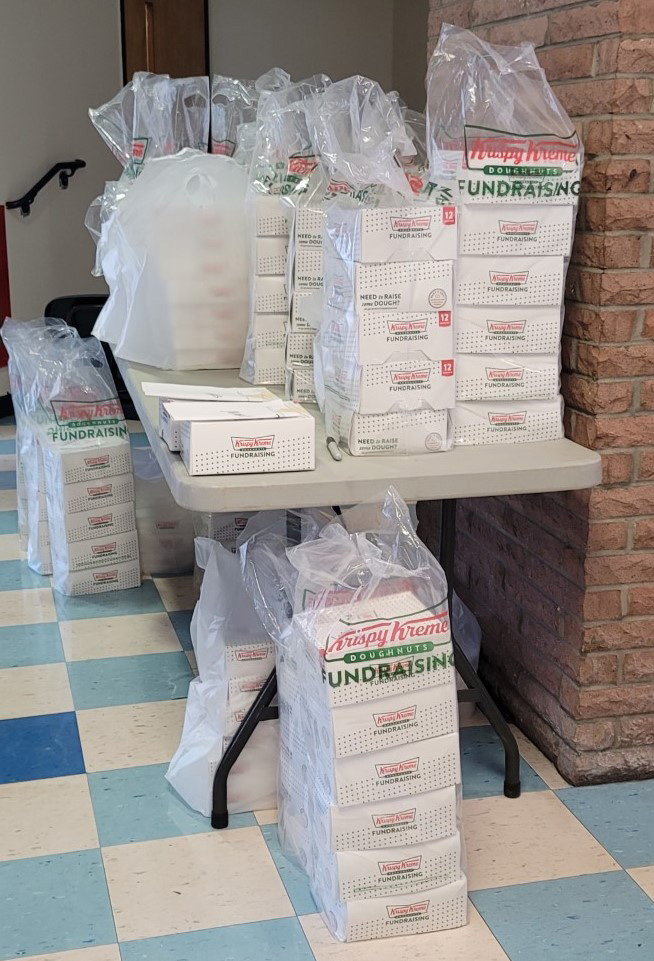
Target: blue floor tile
260	941
108	681
54	903
139	600
595	917
7	480
138	804
620	816
139	440
8	522
482	762
8	446
181	621
30	644
46	745
295	880
17	576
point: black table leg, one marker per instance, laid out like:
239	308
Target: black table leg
477	690
260	711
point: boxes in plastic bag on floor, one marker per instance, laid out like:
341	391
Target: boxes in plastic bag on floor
165	530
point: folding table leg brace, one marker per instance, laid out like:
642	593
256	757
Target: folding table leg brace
261	709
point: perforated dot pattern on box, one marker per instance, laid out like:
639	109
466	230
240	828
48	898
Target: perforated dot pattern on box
116	577
510	280
272	218
485	377
518	230
504	330
271	254
486	422
270	295
104	493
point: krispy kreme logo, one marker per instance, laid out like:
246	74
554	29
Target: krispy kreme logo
505	148
410	376
97	461
405	864
508	279
223	147
105	577
95	492
519	417
257	654
166	525
506	326
375	635
397	818
395	717
407	910
100	550
515	229
408	326
102	520
72	413
302	166
504	373
411	223
248	686
253	443
139	147
397	768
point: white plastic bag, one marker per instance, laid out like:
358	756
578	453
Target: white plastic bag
175	257
234	656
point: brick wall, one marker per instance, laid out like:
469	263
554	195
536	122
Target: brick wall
564	583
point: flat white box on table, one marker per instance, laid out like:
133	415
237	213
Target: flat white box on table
351	875
99	552
270	295
508	330
88	496
402	432
400	914
277	437
527	230
171	411
379	234
171	392
270	255
510	281
86	463
413	819
406	287
507	422
506	377
272	217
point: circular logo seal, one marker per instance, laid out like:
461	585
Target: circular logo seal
437	298
433	441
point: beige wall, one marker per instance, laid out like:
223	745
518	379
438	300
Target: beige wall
410	50
57	58
337	37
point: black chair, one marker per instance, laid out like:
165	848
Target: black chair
81	312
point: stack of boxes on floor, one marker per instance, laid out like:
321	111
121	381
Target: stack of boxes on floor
90	498
369	762
306	300
510	276
265	350
386	344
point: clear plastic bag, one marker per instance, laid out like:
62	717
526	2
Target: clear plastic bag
165	529
234	656
484	104
176	260
368	719
233	103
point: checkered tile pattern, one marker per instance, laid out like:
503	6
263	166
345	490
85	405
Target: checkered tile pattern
100	861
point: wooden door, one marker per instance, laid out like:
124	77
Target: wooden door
165	36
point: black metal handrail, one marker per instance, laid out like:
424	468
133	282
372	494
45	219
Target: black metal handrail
65	169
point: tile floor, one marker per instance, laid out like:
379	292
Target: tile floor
100	861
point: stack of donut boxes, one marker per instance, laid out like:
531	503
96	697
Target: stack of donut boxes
517	206
269	289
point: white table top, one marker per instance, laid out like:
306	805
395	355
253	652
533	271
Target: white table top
462	472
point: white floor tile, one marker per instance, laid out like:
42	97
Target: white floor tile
96	637
44	817
34	606
131	734
177	593
38	689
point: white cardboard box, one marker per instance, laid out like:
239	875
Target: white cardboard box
269	330
507	422
234	396
270	295
308	269
244	660
507	377
270	255
272	217
299	385
405	287
376	235
309	226
516	230
99	552
116	577
306	310
403	432
509	281
405	384
80	463
277	437
270	364
88	496
299	348
87	525
508	330
375	335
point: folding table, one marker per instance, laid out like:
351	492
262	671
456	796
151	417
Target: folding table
422	479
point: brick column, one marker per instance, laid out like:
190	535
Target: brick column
563	584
